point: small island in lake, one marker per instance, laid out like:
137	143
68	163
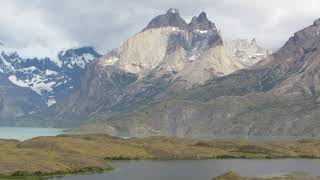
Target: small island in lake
236	176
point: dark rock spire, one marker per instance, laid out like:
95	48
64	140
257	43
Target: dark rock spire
171	18
316	22
201	23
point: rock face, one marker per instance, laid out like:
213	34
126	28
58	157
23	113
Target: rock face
39	82
166	57
278	96
170	44
246	52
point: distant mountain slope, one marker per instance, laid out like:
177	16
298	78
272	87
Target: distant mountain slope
29	85
50	80
167	57
16	101
246	52
279	96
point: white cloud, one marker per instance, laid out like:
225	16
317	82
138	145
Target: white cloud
272	22
27	31
43	27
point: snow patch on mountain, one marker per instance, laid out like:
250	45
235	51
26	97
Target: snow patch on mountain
51	72
51	102
88	57
201	31
17	82
37	84
30	69
78	57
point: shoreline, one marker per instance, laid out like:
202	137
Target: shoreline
224	176
85	154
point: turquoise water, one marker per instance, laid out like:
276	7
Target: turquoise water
24	133
202	169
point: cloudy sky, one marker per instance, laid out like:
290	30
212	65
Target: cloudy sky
43	27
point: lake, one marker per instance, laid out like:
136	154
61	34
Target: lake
23	133
177	170
202	169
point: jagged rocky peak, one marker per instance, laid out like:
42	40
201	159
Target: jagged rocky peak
79	51
246	51
306	37
148	49
204	34
82	51
79	56
171	18
316	22
201	23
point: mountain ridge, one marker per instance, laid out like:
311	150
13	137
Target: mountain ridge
151	66
278	96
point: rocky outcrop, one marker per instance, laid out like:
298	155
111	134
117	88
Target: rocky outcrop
169	44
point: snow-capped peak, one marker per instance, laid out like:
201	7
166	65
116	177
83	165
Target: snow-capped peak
43	75
78	57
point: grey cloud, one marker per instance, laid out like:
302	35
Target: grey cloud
47	25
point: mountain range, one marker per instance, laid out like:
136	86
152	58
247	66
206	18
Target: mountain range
278	96
167	57
173	78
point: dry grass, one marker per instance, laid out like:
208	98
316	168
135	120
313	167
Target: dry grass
88	153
